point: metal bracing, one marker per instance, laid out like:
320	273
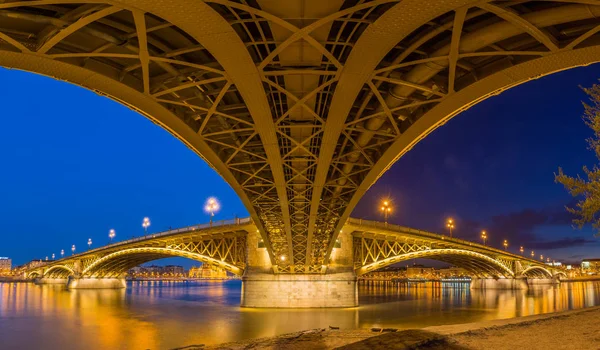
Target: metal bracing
377	244
223	246
300	105
299	62
436	64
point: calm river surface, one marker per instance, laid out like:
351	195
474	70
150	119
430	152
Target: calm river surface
163	315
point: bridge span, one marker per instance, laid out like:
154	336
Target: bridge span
235	245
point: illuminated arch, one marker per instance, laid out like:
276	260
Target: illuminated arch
468	259
537	271
59	271
33	274
562	273
119	262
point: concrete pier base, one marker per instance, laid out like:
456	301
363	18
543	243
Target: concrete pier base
501	283
299	291
62	281
542	281
95	283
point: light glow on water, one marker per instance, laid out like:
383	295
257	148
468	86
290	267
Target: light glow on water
158	315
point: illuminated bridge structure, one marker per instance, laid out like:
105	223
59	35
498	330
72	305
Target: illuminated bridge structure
300	105
234	245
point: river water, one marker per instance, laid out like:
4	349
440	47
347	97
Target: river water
164	315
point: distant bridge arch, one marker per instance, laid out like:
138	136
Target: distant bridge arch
58	271
560	273
119	262
469	260
537	271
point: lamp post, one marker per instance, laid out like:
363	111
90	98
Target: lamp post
542	257
505	244
484	236
521	250
146	224
111	234
211	207
53	256
450	225
62	253
532	254
386	210
46	257
73	249
89	243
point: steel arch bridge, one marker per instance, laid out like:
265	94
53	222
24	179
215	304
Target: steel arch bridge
222	245
377	245
300	105
372	245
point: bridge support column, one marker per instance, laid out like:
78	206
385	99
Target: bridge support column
299	291
542	281
501	283
95	283
336	288
44	280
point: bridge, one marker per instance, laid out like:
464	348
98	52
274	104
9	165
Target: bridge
300	105
235	246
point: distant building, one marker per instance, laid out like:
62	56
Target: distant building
452	272
173	269
418	271
591	264
207	271
5	265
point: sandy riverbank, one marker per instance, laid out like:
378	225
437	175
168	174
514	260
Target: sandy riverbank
575	329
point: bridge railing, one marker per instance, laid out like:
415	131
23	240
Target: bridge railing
236	221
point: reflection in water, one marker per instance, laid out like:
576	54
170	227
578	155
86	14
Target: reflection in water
158	315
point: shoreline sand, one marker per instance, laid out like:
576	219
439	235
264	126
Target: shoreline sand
573	329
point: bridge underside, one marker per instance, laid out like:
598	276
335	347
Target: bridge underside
300	105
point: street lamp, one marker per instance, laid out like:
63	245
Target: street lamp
450	225
483	236
89	243
53	256
386	209
521	250
505	244
46	258
532	254
146	224
542	257
62	253
212	206
73	248
111	234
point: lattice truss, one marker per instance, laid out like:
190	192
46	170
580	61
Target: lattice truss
439	59
300	51
227	251
157	58
231	251
371	253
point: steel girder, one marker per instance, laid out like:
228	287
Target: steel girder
418	76
300	105
223	246
377	245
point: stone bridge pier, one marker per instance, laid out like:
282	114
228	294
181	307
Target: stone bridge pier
336	288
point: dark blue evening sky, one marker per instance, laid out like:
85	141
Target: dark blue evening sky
75	164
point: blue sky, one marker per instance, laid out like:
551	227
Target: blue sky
76	164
